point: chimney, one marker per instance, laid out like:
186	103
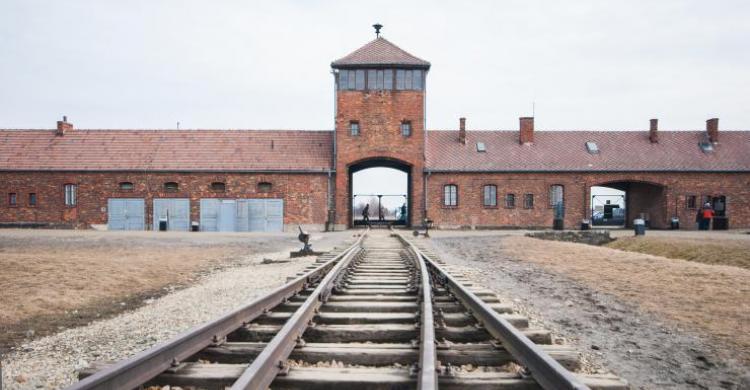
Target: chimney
63	126
526	135
653	136
712	128
462	131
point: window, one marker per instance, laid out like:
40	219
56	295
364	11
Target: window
408	79
400	79
490	196
528	201
556	195
450	196
12	199
481	148
70	194
417	82
171	186
690	201
32	199
360	84
343	79
372	79
264	186
388	79
406	128
126	186
354	128
510	201
379	81
218	186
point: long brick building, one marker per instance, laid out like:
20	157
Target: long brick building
265	180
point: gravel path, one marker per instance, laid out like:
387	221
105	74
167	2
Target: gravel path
51	362
648	352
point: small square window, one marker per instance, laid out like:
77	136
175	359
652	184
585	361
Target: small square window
218	186
32	199
171	186
264	186
481	148
691	201
528	201
354	128
406	129
510	201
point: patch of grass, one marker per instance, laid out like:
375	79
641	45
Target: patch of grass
708	251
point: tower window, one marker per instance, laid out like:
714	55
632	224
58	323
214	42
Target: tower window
354	128
400	79
406	128
388	79
450	195
417	82
360	83
372	79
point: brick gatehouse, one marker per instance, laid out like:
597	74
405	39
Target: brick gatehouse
249	180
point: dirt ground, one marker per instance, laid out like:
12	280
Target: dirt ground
658	322
56	279
720	249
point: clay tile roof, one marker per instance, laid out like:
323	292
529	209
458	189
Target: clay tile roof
566	151
167	150
380	52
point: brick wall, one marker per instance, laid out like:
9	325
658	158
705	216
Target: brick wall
304	195
662	199
379	114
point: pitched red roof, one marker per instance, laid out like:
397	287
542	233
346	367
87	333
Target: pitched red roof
379	52
181	150
566	151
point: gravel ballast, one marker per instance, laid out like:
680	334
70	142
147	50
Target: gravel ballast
53	362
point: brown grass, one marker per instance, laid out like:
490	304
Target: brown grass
54	279
712	299
708	250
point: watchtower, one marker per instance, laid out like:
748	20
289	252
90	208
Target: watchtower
380	116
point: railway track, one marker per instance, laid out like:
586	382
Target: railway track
380	314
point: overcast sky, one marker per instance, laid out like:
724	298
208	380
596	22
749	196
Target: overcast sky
243	64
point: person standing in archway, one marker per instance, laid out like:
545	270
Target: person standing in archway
366	215
707	214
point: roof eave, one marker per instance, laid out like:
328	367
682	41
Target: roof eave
335	65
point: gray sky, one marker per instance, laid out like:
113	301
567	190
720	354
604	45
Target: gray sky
243	64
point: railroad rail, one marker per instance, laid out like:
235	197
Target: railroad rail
383	313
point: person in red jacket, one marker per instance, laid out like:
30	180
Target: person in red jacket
707	213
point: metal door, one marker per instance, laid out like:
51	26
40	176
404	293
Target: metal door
227	215
274	215
126	214
209	215
175	211
257	214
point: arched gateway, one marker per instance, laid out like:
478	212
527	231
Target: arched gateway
380	110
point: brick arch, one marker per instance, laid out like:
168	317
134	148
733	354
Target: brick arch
381	162
645	198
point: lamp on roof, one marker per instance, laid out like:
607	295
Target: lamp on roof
377	27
